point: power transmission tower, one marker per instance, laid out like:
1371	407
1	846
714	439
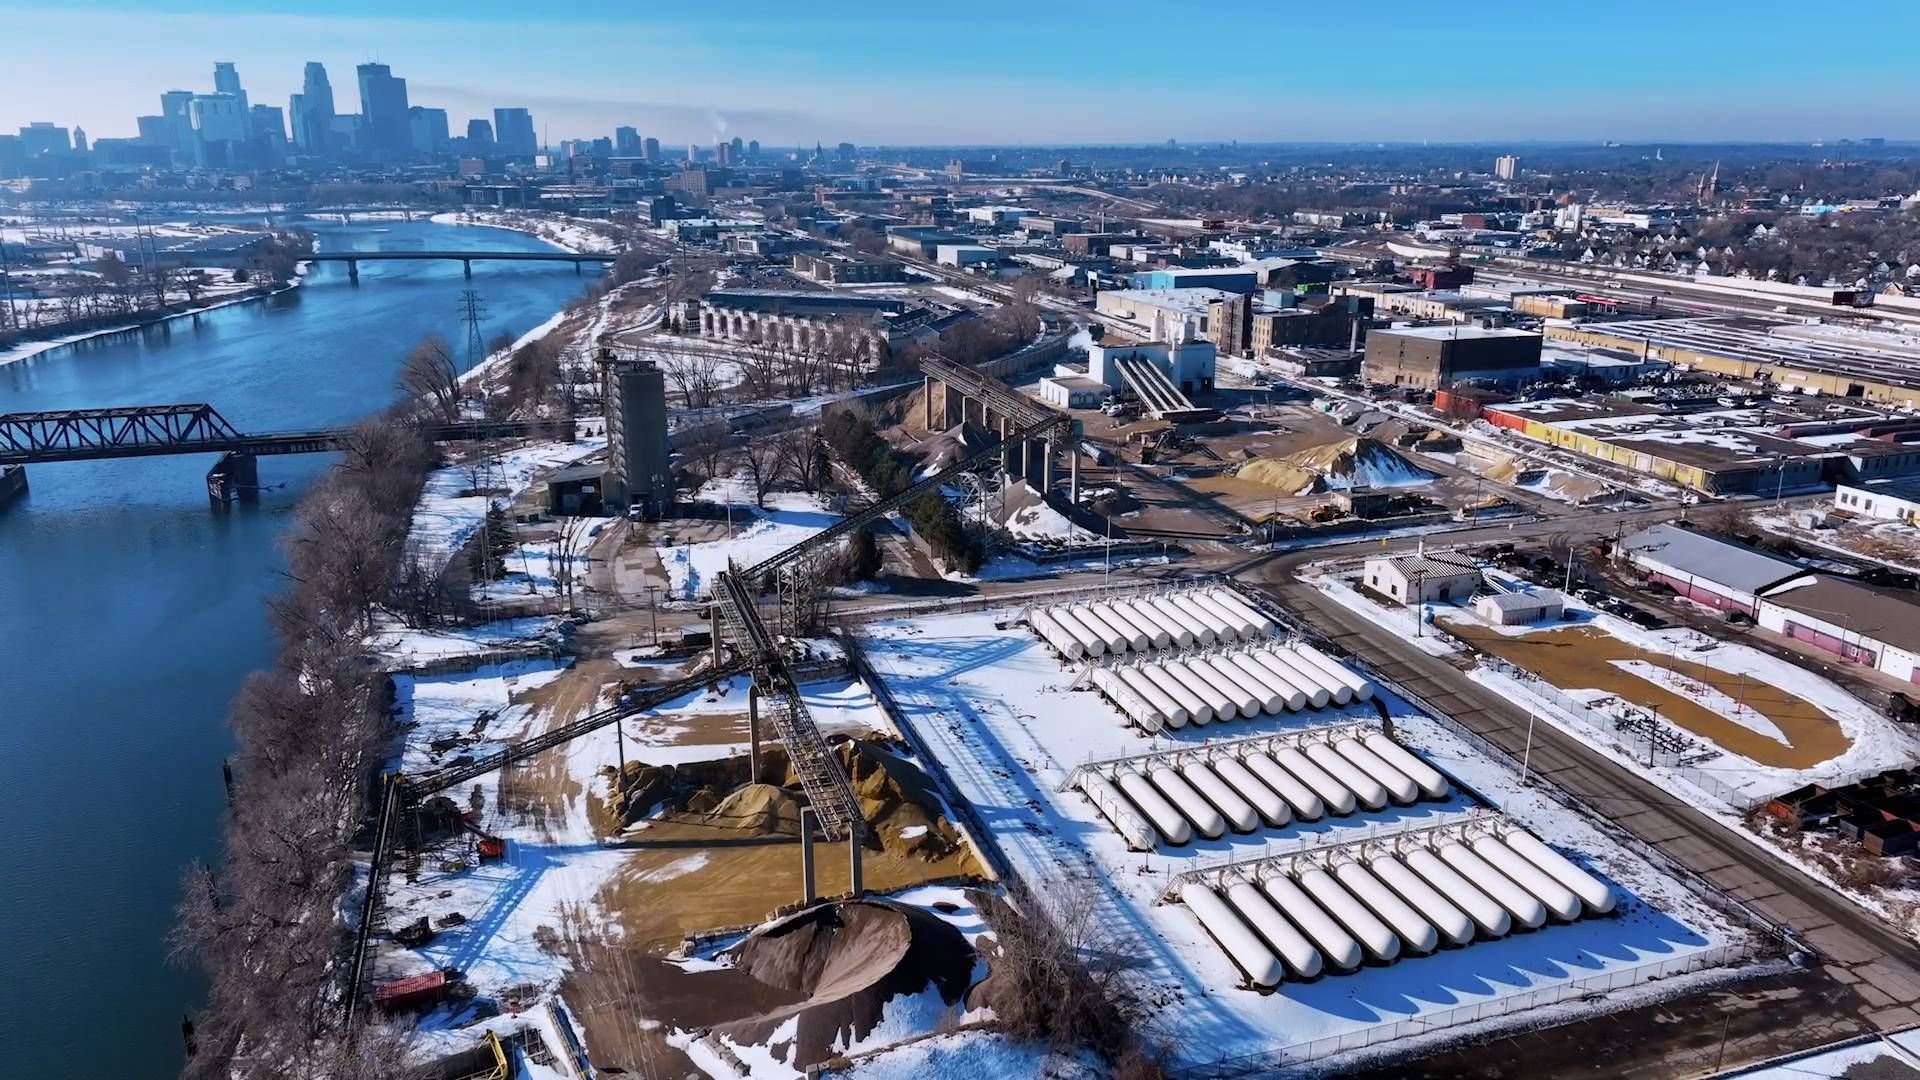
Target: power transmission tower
472	311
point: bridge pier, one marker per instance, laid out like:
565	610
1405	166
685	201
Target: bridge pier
353	271
13	484
234	476
466	267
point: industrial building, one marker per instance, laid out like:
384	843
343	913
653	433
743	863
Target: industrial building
1885	500
965	255
1231	279
798	319
1706	569
1165	314
837	269
1519	607
1424	577
1164	375
1865	624
1792	356
1432	357
634	393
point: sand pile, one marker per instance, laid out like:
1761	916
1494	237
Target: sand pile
761	809
840	964
1356	462
943	449
1025	515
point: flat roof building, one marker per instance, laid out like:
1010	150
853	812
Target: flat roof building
1433	357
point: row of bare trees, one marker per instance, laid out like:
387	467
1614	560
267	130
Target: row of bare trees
309	732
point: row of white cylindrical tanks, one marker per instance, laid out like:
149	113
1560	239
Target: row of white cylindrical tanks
1171	620
1268	783
1175	690
1375	908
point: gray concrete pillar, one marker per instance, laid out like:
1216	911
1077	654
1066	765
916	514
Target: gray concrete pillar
1073	475
854	885
1046	467
466	268
713	617
753	733
1006	447
926	392
353	271
807	820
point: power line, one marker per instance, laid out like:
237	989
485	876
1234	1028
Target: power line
472	310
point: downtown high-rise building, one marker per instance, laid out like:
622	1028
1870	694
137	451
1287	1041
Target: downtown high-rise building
626	141
429	128
311	111
480	138
226	80
385	126
650	149
176	112
513	132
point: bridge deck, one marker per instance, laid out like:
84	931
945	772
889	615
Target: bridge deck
462	256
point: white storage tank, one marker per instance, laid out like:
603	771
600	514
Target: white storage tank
1095	644
1237	811
1177	635
1245	700
1137	681
1223	631
1364	787
1197	709
1201	632
1137	638
1486	913
1413	931
1227	598
1301	958
1401	789
1338	689
1240	943
1244	628
1596	894
1280	696
1314	686
1127	701
1157	635
1300	798
1337	796
1136	830
1055	635
1452	923
1432	784
1169	822
1109	634
1335	944
1362	689
1560	901
1373	935
1206	820
1527	911
1264	800
1222	706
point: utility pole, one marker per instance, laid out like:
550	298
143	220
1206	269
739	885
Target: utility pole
472	311
1526	755
654	611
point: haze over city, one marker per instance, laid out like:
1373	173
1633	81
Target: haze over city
1003	72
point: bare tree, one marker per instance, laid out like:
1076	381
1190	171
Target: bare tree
570	544
430	377
802	458
707	447
762	459
692	371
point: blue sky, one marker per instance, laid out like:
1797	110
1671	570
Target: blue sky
1038	71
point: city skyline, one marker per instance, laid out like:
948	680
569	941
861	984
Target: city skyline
790	77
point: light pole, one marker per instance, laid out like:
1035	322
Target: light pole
653	612
1526	755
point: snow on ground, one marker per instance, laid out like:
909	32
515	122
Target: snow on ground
1894	543
451	507
1870	1057
1041	522
212	299
969	1055
533	566
1402	620
439	710
400	646
995	707
788	518
556	229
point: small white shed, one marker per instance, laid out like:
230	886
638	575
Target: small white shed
1519	608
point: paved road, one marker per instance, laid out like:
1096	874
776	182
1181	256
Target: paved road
1866	973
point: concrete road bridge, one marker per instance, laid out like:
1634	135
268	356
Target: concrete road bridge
466	259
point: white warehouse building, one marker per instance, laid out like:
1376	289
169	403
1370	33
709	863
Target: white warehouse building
1423	578
1887	500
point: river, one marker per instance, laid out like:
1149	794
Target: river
130	612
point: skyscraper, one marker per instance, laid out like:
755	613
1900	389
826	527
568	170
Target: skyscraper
626	141
219	130
429	127
176	106
312	111
479	138
1506	167
226	80
650	149
385	126
513	130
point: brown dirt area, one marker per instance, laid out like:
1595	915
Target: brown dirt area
1575	658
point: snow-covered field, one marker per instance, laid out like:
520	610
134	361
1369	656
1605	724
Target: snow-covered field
555	229
788	518
996	708
450	510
